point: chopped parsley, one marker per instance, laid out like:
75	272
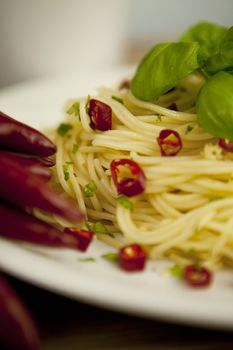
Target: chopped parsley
63	128
176	271
74	109
75	148
98	227
118	99
125	202
110	256
90	189
87	259
188	129
66	171
159	118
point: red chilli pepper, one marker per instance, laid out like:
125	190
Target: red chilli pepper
83	237
173	106
226	144
125	84
17	225
128	177
197	277
169	142
17	328
132	257
34	165
16	136
26	190
100	114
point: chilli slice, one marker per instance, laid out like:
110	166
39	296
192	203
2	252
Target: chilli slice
197	276
132	257
226	144
100	114
83	237
128	177
169	142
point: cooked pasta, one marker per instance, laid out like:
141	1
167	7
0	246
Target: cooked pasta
185	212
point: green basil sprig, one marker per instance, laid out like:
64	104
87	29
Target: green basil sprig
163	67
215	105
207	47
209	37
223	59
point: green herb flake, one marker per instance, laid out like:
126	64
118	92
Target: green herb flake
87	105
74	109
110	256
75	148
98	227
158	118
213	199
118	99
188	129
191	250
66	171
90	189
63	128
87	259
176	271
125	202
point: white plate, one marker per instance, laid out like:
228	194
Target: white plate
148	294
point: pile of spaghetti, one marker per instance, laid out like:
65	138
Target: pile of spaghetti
146	172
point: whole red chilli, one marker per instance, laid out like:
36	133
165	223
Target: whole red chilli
26	190
19	137
17	328
18	225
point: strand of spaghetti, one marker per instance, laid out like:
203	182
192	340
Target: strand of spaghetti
60	160
171	230
186	233
162	207
77	191
85	120
186	117
128	119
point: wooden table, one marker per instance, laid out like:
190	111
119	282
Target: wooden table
71	325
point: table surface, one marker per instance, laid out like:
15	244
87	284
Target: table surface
69	325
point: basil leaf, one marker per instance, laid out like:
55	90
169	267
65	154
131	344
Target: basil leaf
209	37
223	60
162	68
215	105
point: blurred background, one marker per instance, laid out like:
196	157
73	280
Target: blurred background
41	37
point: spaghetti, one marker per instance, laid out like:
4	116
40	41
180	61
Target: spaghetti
186	211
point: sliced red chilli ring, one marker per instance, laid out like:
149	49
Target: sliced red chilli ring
100	114
169	142
132	257
125	84
128	177
197	276
173	106
226	144
84	237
